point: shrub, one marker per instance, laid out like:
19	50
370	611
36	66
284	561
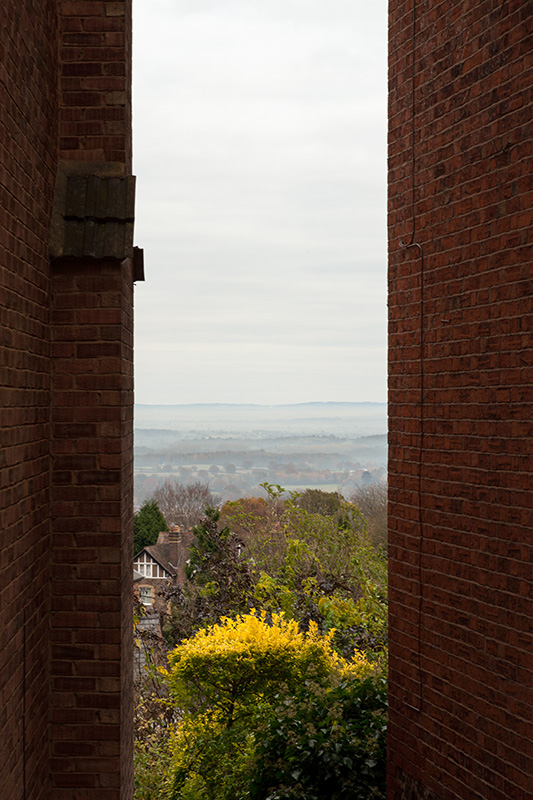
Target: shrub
230	681
151	760
228	666
371	500
210	760
154	720
324	743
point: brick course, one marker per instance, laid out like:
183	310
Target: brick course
460	400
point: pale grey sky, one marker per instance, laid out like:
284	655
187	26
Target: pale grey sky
259	141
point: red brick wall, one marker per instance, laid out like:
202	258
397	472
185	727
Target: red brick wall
92	520
126	546
460	400
92	419
95	80
66	416
28	159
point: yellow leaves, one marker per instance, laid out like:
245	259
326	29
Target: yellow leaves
242	634
229	678
242	659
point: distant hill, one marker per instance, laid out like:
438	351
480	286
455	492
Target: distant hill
255	421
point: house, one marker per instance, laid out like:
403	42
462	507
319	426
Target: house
162	566
157	570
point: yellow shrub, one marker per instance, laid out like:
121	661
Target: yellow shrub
242	660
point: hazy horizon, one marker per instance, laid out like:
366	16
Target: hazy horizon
234	447
258	420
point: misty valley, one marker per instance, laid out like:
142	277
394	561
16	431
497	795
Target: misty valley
235	448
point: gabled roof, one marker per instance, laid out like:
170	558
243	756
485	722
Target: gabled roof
171	552
156	551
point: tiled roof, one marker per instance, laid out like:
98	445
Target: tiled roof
156	551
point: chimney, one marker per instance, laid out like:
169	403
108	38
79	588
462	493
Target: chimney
174	534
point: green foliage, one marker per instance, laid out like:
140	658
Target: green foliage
154	718
151	763
316	501
274	596
212	549
324	743
219	581
227	680
210	761
365	619
325	570
287	701
148	523
285	559
329	545
341	551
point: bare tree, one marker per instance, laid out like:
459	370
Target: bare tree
371	500
184	505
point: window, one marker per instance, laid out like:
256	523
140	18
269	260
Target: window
142	568
145	595
149	568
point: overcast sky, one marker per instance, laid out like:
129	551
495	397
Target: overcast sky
259	142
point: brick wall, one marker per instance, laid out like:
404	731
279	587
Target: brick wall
92	431
66	417
95	80
28	159
92	544
460	400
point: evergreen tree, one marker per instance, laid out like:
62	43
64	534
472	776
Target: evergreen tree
148	522
219	582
